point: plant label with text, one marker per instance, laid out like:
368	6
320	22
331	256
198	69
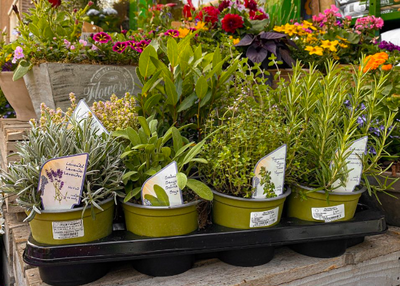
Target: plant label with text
82	111
354	164
275	164
61	182
162	188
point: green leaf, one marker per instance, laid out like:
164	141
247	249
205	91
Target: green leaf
48	33
133	136
151	172
172	52
193	153
120	133
172	95
216	70
198	53
227	74
152	101
166	151
216	56
201	87
187	102
132	194
128	175
22	69
144	125
34	30
182	180
201	189
127	153
153	200
206	98
160	66
200	160
161	195
146	66
177	139
151	83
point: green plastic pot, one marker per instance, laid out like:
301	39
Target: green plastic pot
341	206
154	221
242	213
70	227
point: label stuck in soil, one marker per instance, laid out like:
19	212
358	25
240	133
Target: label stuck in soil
68	229
265	218
328	214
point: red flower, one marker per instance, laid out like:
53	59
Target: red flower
208	14
224	4
251	5
231	22
55	3
187	11
257	15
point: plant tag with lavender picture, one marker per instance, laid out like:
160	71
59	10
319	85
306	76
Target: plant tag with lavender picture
61	182
162	189
82	111
354	164
273	164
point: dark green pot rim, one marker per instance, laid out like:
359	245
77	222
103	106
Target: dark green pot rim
160	207
284	195
77	209
363	189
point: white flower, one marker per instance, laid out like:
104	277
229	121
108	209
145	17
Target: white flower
110	11
93	12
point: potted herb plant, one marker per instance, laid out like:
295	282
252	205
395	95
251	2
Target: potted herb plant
326	167
92	217
249	130
146	154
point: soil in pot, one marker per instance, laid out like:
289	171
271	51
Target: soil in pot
69	227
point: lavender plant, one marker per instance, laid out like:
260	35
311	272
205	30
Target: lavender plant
58	139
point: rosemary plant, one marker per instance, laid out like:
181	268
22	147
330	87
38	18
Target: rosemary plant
103	175
325	114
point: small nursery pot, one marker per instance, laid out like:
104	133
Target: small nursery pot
154	221
341	206
70	226
244	213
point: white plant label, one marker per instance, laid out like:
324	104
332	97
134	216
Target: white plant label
328	214
167	180
61	182
275	163
354	164
82	111
68	229
265	218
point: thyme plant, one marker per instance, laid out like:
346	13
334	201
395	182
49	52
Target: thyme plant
323	115
103	175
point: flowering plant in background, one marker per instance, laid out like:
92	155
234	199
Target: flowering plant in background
330	36
106	18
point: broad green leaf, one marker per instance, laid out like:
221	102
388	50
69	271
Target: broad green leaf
170	90
206	98
182	180
201	87
132	194
187	102
160	66
227	74
177	139
193	153
34	30
144	125
216	56
153	200
48	33
182	150
21	70
172	51
200	160
120	133
216	70
166	151
127	153
184	58
198	53
146	66
151	102
201	189
153	127
128	175
161	195
151	172
187	85
179	86
133	136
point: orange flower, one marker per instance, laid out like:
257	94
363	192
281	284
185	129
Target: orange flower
387	67
372	62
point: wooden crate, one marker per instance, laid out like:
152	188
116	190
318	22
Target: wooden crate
11	131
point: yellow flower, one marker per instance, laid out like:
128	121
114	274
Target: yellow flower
290	30
201	26
343	45
335	57
183	32
8	57
236	41
311	38
330	45
314	50
279	29
342	39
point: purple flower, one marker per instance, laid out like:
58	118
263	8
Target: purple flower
140	46
172	33
120	47
388	46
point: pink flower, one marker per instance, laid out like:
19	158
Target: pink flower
102	37
172	33
72	47
18	54
67	43
94	48
83	42
120	47
140	46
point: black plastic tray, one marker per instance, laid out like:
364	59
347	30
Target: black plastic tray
172	255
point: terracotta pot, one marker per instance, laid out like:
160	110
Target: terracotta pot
18	96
